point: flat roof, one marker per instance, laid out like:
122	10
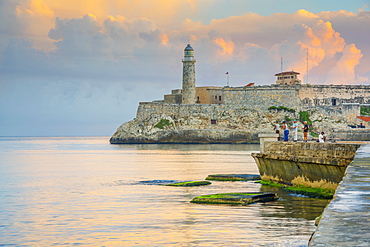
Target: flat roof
287	73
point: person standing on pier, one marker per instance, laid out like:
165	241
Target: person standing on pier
286	131
295	130
277	129
305	131
322	137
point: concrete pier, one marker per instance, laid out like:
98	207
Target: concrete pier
346	219
287	161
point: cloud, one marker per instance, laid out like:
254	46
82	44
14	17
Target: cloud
227	48
344	70
26	18
74	37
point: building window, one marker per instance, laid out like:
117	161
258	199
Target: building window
219	98
213	121
334	101
198	99
215	96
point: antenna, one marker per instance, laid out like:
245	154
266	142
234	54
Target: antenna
281	63
307	66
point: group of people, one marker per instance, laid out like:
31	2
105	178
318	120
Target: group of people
294	128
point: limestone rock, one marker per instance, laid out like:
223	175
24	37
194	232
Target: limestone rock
198	123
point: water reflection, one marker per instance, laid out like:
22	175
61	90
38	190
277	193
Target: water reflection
189	147
292	205
69	191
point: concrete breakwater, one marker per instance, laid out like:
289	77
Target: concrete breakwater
286	161
345	221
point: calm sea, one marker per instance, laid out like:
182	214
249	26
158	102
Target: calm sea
57	191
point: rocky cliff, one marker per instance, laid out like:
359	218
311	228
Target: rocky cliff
157	122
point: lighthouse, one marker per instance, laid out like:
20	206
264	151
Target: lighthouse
188	76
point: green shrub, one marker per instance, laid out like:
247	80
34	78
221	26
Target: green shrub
313	134
305	116
288	119
281	108
365	111
161	124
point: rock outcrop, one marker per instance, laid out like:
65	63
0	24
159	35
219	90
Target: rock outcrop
157	122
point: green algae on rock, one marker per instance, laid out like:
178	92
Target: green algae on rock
235	198
233	177
320	193
190	183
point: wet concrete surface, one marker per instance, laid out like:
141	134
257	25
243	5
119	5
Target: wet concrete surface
346	220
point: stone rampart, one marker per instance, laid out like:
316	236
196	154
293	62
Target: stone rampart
262	97
286	161
332	95
148	124
358	134
181	111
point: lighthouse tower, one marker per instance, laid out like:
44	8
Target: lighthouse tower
188	76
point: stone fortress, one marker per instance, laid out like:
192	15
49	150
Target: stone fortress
237	114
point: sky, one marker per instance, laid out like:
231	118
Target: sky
81	67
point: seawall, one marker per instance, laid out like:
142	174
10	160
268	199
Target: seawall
345	221
286	161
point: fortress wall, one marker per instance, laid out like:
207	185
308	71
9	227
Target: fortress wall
263	97
177	111
351	111
329	95
209	95
173	98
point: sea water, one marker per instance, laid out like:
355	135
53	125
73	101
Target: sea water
66	191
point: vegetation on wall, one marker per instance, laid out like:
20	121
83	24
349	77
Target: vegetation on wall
305	116
281	108
288	120
314	135
163	123
365	111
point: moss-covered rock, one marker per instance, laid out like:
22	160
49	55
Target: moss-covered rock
233	177
235	198
320	193
317	220
190	183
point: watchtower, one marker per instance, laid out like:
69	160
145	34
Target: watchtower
188	76
288	78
